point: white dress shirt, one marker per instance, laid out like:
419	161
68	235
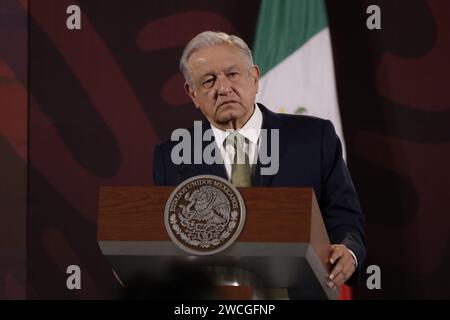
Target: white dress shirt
251	131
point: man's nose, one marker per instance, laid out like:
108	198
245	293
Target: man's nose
223	85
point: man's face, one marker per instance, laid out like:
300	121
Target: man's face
224	86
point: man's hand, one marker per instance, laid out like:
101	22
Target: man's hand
343	265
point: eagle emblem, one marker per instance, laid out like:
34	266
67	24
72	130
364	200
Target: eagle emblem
204	214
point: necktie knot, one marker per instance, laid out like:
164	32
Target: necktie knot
236	140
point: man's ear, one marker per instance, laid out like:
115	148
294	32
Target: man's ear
191	93
255	73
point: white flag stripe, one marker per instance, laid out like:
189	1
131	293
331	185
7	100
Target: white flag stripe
305	79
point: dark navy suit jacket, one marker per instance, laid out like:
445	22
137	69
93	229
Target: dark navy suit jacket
310	156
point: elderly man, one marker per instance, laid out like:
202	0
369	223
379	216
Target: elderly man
222	82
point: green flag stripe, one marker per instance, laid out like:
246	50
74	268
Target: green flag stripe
283	27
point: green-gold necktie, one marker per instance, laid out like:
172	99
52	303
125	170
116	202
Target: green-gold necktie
241	169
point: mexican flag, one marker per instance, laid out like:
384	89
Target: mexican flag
293	49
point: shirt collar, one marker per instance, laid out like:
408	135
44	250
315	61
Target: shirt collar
251	129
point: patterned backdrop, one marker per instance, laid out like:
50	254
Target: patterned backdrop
99	99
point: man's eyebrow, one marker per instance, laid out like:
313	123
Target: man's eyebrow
231	68
213	74
208	74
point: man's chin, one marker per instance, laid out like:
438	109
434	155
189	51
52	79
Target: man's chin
227	117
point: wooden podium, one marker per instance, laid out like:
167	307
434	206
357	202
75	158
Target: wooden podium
283	243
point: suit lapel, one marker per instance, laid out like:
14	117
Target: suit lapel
215	169
270	121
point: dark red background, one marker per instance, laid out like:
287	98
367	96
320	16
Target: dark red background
101	97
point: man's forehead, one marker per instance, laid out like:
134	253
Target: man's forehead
219	54
210	70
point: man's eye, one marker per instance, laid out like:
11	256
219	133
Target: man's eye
233	75
208	83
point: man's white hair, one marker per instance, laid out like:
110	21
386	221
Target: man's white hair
209	39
